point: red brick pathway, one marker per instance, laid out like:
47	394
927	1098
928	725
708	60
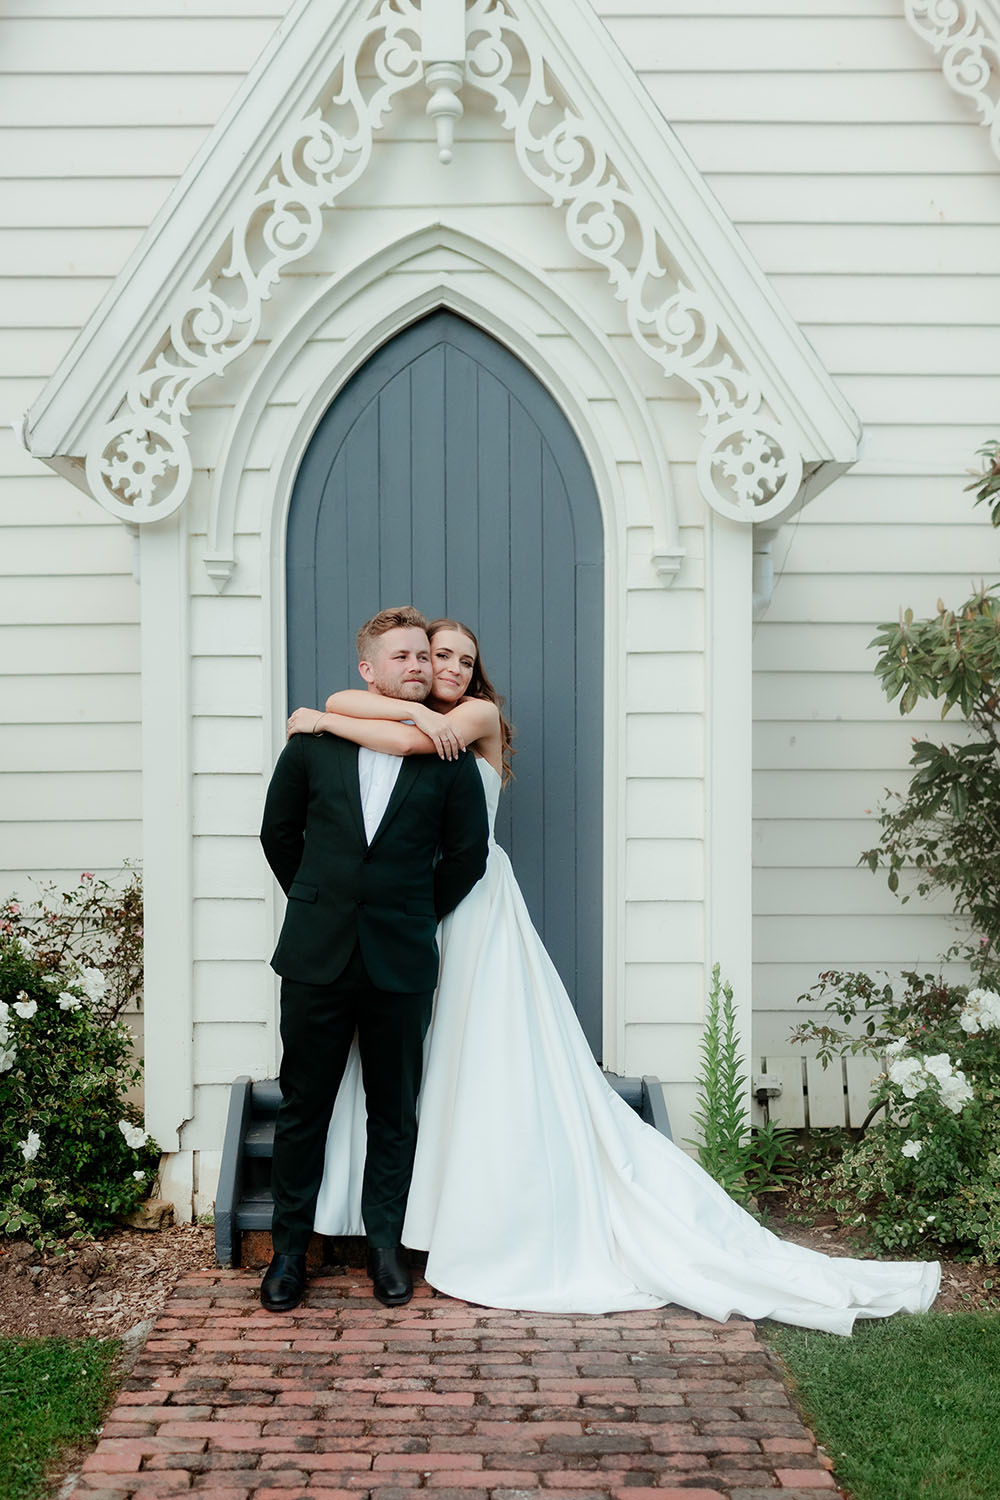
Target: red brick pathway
344	1399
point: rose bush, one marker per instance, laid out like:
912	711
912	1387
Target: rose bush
925	1174
95	924
74	1157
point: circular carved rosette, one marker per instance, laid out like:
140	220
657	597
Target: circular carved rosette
139	469
747	471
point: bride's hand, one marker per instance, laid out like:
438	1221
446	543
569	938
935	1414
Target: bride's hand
303	721
448	742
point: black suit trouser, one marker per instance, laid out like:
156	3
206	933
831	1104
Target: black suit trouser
318	1022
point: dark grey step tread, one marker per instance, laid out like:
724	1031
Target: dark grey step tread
254	1215
259	1139
265	1097
629	1089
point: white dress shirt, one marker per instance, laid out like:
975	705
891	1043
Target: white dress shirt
377	774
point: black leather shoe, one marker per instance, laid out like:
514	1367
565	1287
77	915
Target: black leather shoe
284	1283
391	1280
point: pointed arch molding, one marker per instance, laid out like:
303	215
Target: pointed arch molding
966	36
392	303
300	134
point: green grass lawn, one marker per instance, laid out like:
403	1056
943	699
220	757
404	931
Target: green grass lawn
53	1393
908	1408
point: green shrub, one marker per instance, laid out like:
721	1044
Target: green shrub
74	1157
945	828
925	1174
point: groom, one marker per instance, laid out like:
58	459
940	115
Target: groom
371	850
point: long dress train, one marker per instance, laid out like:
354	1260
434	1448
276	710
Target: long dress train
535	1186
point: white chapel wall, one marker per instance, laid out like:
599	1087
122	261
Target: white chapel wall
868	193
100	111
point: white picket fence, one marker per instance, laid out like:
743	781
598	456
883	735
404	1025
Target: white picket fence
813	1096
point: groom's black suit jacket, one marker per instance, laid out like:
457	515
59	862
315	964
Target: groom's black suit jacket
428	852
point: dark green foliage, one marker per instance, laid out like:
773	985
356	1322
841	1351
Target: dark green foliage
987	484
946	826
74	1158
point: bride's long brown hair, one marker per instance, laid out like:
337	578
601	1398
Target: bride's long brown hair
480	686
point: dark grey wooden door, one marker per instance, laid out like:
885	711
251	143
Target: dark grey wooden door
445	475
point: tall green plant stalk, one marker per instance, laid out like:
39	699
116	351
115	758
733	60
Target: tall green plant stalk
722	1113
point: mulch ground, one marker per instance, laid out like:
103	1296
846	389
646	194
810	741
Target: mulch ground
106	1287
99	1288
344	1399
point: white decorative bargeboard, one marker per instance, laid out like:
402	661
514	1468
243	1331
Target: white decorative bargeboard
966	36
750	465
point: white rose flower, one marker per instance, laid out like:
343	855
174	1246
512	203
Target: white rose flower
68	1001
914	1074
930	1218
893	1049
956	1092
93	984
134	1135
911	1148
908	1074
25	1008
7	1056
980	1011
939	1066
26	949
29	1147
139	1176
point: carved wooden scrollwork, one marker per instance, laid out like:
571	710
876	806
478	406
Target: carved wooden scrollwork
139	466
747	467
970	53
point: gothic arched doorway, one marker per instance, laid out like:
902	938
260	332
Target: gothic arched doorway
445	475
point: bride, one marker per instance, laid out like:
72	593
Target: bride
535	1186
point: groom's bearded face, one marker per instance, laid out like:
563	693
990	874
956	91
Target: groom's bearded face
399	665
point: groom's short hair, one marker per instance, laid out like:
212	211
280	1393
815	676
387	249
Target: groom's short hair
404	617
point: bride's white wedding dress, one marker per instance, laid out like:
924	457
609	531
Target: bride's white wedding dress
535	1186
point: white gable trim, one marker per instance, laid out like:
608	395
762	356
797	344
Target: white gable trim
300	132
966	36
